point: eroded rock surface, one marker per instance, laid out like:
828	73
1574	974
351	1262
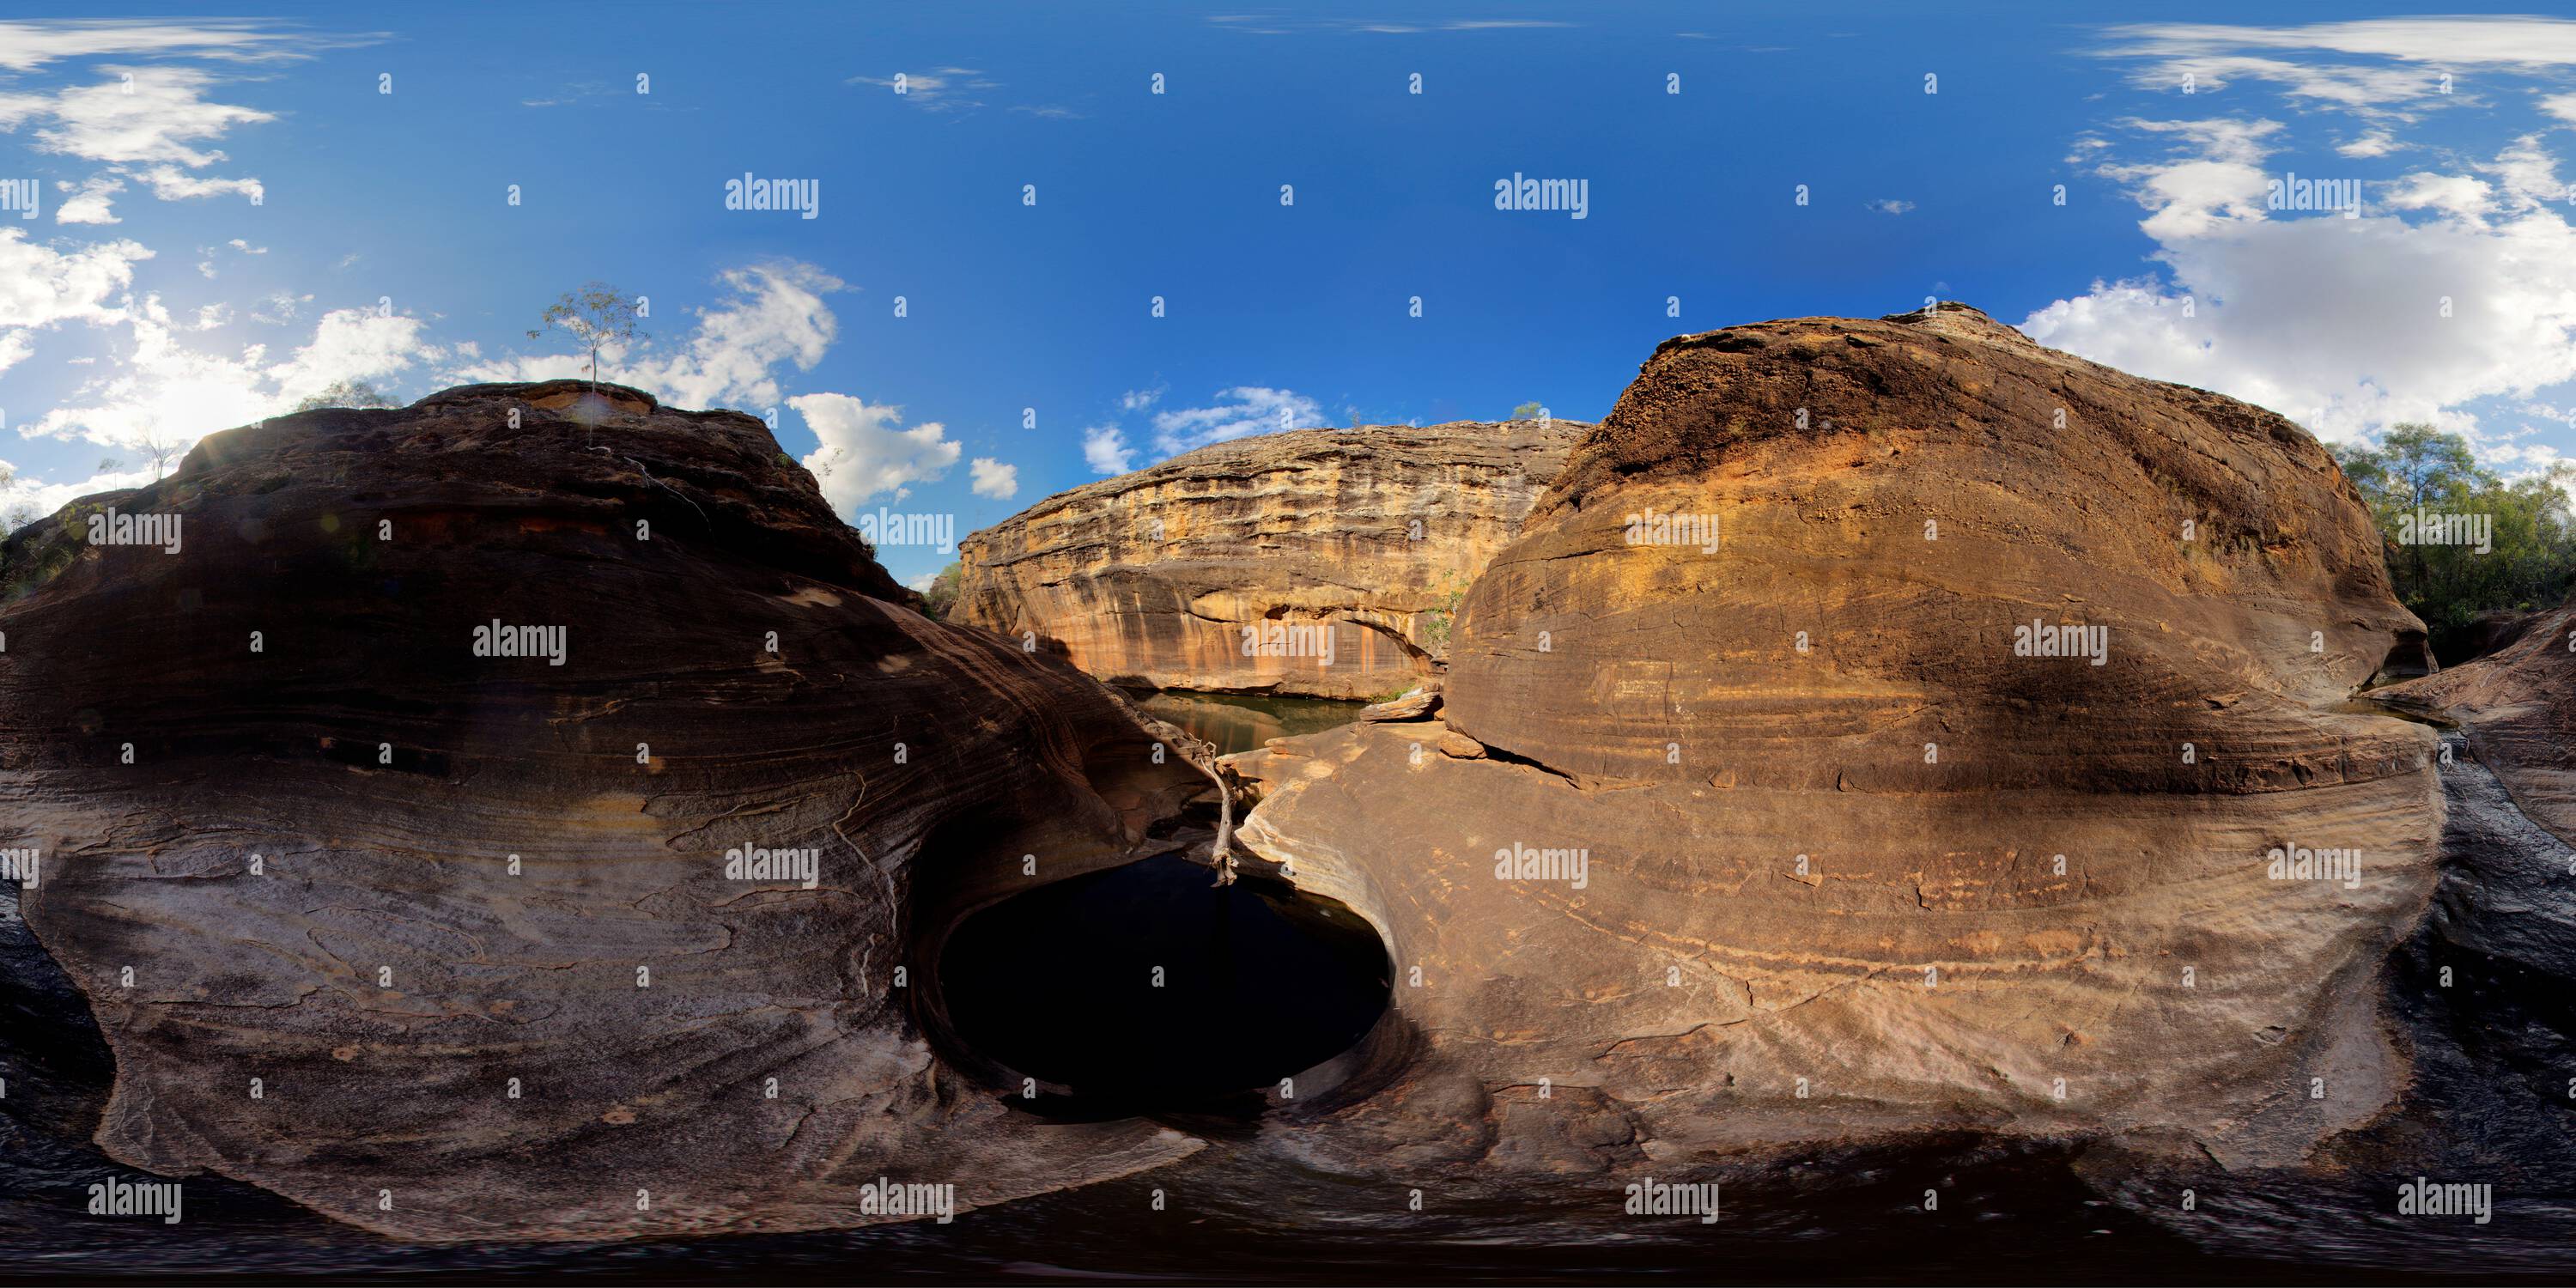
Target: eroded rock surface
445	944
1370	535
1799	847
2517	706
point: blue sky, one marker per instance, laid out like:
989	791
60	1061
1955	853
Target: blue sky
251	217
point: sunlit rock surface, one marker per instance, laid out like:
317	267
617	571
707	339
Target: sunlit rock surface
1849	863
1324	562
444	944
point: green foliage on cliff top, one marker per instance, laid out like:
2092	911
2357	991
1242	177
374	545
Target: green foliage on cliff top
2417	472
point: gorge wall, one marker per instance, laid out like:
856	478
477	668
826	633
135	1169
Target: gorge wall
1873	728
1886	726
623	932
1327	563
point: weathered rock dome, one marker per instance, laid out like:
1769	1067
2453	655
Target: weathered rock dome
1887	726
527	814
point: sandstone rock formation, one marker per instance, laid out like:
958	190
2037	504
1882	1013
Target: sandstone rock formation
1937	792
445	943
1879	727
2517	707
1154	578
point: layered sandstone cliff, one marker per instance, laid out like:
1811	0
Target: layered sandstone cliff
627	931
1938	790
1322	562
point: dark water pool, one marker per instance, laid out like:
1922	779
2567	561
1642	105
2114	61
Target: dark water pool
1240	722
1147	988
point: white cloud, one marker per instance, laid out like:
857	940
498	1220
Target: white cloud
2216	177
160	390
2365	91
862	454
2423	63
775	315
352	344
2521	42
213	315
146	122
933	91
154	119
1891	206
2338	323
43	498
170	183
41	288
1140	399
1105	450
994	479
1280	26
1245	409
89	202
2455	195
276	308
27	46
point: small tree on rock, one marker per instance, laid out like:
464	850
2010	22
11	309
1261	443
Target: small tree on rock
346	393
160	448
943	591
596	315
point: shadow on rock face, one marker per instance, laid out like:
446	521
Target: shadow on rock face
536	825
1883	727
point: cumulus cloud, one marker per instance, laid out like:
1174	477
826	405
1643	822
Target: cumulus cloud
41	288
1105	450
862	455
2215	176
1891	206
37	499
2445	289
1240	411
159	390
90	201
994	479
